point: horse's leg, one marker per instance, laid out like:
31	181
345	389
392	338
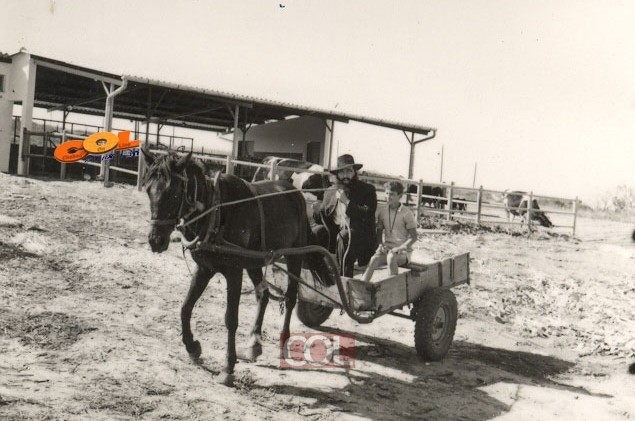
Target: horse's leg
294	266
234	277
199	282
254	348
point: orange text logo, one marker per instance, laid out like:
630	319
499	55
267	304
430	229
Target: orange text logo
97	144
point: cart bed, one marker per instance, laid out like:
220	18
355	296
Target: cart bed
385	292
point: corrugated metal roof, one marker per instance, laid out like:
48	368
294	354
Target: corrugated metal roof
61	85
302	110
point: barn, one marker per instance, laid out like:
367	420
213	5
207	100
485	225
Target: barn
257	127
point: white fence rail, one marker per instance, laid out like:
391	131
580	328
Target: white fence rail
486	207
460	204
480	206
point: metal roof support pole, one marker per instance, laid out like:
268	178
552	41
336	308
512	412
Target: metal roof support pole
146	144
413	144
111	92
26	90
140	160
327	156
236	139
159	127
411	163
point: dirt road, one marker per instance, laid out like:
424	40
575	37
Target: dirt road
89	327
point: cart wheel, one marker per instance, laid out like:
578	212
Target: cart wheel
312	315
435	322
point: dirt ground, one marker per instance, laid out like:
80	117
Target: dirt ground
90	329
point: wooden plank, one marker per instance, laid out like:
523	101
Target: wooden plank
446	272
388	292
318	294
361	295
461	269
422	277
326	296
391	291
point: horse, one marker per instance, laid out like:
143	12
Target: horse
179	190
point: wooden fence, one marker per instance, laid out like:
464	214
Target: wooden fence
481	207
459	204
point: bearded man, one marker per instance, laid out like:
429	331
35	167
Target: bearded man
346	217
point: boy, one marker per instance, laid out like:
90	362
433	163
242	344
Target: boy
399	228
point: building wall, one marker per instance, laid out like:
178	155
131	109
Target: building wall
288	136
19	85
6	121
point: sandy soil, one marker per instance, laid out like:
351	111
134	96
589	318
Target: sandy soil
89	326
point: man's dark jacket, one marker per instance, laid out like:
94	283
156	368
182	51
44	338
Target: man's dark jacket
360	210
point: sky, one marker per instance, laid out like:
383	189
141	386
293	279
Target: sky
534	95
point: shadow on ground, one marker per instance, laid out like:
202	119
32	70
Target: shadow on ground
390	382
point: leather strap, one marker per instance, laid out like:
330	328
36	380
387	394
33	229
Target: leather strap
261	211
213	227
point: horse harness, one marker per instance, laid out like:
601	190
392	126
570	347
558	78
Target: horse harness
214	233
160	222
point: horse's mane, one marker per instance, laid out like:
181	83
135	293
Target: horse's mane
160	169
163	166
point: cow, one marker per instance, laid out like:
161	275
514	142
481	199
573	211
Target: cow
516	204
302	174
459	206
433	196
313	182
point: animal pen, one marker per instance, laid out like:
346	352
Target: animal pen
468	205
480	206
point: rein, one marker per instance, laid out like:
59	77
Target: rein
214	225
248	199
188	208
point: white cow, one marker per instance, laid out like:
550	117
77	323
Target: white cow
516	204
303	175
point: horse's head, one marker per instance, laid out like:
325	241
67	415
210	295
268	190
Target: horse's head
166	184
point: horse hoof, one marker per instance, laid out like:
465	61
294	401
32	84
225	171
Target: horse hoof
226	379
195	350
250	354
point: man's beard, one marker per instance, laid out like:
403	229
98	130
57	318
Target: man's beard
345	182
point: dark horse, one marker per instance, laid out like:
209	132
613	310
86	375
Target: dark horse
179	191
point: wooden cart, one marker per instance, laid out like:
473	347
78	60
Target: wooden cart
423	287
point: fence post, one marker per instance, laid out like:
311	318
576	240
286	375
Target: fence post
141	164
450	196
228	165
63	164
479	201
575	214
273	170
529	207
419	189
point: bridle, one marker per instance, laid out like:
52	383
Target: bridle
172	222
213	228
